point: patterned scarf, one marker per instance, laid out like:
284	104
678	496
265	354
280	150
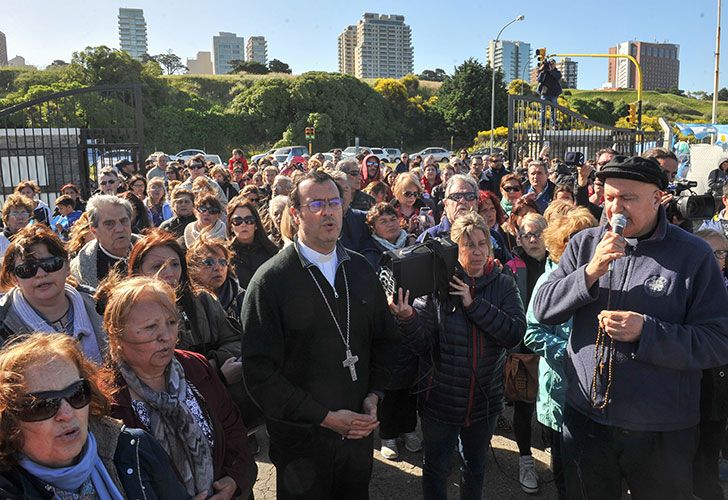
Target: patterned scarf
174	427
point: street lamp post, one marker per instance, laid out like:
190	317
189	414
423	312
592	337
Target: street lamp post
492	78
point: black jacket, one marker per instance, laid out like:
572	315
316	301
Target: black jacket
549	82
142	467
248	258
462	350
176	225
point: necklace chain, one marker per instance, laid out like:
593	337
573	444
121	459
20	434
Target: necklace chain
345	340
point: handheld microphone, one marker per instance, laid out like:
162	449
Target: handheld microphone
618	223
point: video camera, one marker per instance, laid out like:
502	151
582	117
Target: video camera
423	268
689	206
566	171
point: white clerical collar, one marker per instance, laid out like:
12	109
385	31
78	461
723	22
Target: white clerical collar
115	257
317	257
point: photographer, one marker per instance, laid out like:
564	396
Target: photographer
461	343
720	221
549	88
717	178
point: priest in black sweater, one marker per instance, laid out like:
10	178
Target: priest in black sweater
318	340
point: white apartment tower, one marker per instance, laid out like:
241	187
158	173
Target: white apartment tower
3	50
256	49
379	46
513	59
226	47
133	32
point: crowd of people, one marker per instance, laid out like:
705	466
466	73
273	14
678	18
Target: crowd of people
148	331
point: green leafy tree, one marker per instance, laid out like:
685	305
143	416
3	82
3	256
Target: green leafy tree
268	104
102	65
170	63
276	66
519	87
599	110
412	84
723	94
437	75
251	67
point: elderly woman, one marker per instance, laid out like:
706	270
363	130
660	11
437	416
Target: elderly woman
41	211
250	244
156	202
511	225
56	440
208	215
383	222
550	342
16	213
482	317
276	208
183	209
175	394
511	190
408	202
36	297
208	262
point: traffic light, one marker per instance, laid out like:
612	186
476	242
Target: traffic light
310	133
632	114
541	55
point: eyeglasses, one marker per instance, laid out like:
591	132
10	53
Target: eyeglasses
43	405
369	163
20	213
30	269
511	189
411	194
248	220
721	254
353	173
456	197
529	236
210	262
204	209
110	182
317	206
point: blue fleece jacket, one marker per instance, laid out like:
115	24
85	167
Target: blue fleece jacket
672	278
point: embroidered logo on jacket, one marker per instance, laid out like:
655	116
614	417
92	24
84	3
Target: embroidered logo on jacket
656	286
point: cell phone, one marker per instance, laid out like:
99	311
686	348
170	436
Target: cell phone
40	215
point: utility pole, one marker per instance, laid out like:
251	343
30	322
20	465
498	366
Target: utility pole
714	116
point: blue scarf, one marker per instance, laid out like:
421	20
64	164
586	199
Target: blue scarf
72	477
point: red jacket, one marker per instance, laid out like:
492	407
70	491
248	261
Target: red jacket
241	160
426	184
231	455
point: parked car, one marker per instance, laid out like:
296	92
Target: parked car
393	154
440	154
256	158
214	158
285	154
352	151
186	154
486	152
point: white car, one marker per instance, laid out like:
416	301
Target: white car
351	152
439	154
393	154
186	154
258	157
214	158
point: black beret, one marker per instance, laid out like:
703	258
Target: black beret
634	168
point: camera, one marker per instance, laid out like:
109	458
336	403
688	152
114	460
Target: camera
689	206
574	158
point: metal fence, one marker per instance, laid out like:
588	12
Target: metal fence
534	124
67	136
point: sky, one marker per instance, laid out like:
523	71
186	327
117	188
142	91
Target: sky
444	33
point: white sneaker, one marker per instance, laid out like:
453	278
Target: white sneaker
389	449
527	474
412	442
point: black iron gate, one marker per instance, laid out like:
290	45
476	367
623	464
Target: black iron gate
68	136
534	124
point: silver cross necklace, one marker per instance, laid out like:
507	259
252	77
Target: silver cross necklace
350	360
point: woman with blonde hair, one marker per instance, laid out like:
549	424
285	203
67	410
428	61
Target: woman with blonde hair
156	202
408	202
550	342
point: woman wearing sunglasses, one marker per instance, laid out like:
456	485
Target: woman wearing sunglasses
408	202
511	190
38	299
175	394
250	244
207	212
56	440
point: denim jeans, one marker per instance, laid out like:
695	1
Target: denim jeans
440	441
553	100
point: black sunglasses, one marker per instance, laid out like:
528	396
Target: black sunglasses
460	196
511	189
30	268
248	220
411	194
210	210
43	405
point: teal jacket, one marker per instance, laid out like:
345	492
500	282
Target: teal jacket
549	342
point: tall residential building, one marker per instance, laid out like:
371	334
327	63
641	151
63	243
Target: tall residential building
257	50
382	47
133	32
226	47
3	50
201	65
17	62
569	72
513	59
660	63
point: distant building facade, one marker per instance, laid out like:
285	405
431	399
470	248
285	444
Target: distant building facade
200	65
569	72
256	49
133	32
17	62
660	63
226	47
378	46
3	50
512	58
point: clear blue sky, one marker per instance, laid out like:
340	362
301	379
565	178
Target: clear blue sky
444	33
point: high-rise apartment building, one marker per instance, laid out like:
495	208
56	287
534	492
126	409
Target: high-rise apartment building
256	49
3	50
133	32
378	46
512	58
569	72
226	47
201	65
660	63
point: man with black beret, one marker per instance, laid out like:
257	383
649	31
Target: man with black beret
650	311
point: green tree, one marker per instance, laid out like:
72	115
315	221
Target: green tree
276	66
251	67
268	105
599	109
170	63
438	75
465	99
723	94
102	65
411	83
519	87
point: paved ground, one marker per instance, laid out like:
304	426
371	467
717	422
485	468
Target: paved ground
401	479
